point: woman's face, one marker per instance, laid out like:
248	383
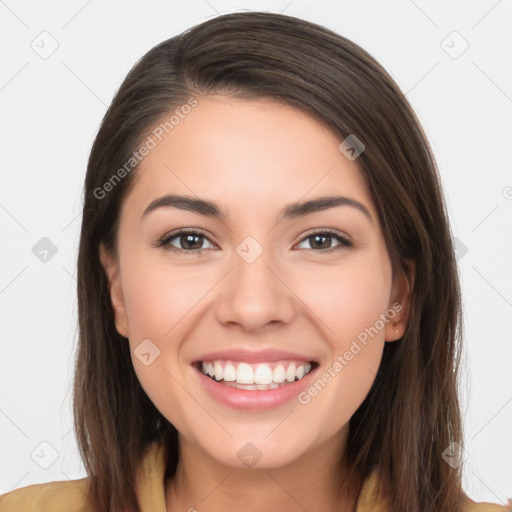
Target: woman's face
271	295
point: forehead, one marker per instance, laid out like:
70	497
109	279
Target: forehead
247	154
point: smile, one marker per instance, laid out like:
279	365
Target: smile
262	376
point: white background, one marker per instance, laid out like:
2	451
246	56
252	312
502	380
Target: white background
50	110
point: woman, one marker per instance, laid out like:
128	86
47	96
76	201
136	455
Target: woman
306	357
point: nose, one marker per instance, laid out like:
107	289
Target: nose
254	295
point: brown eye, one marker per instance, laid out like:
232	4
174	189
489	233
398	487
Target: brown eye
321	241
190	242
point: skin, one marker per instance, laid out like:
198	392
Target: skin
253	157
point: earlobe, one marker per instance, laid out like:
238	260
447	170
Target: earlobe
111	268
400	302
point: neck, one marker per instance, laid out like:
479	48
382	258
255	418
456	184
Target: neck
315	481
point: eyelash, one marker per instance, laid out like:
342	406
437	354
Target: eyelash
164	242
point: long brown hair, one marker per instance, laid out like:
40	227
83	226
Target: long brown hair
411	414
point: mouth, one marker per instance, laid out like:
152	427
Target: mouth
255	377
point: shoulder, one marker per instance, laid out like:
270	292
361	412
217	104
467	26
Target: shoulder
472	506
65	496
374	496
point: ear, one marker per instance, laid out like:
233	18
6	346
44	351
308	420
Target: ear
400	301
111	268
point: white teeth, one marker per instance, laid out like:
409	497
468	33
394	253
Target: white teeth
256	376
218	370
229	373
290	373
263	374
279	375
244	374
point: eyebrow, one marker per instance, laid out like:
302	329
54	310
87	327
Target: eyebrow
293	210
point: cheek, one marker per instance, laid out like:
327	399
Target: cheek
158	295
162	304
349	301
346	298
159	304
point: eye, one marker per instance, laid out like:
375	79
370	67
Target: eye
190	242
322	239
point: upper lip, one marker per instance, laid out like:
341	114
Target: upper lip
254	356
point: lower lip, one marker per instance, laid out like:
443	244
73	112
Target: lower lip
254	399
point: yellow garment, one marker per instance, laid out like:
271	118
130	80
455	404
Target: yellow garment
70	496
